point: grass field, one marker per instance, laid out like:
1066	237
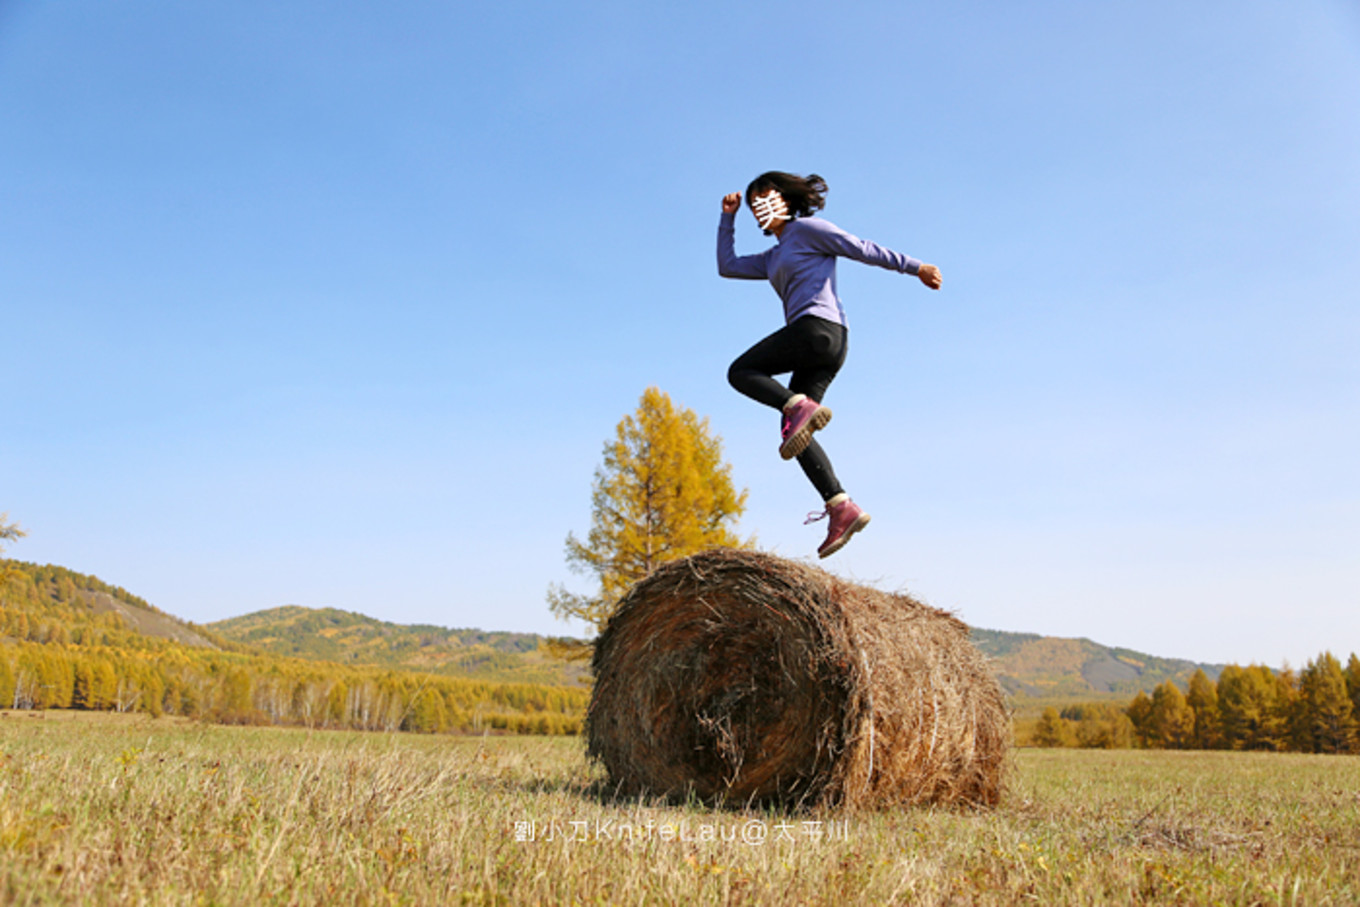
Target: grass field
126	809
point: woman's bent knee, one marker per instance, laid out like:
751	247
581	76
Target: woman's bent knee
736	374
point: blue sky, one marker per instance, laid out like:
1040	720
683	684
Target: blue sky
335	304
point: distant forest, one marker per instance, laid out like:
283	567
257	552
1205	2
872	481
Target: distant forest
344	637
1316	710
70	641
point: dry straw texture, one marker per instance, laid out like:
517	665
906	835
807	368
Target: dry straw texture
740	677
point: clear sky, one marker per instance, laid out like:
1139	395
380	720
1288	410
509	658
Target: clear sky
335	303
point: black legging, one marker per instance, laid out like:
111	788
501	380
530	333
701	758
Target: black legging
814	350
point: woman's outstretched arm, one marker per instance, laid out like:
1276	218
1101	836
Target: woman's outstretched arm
831	239
730	264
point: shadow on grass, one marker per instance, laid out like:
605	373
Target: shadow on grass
600	791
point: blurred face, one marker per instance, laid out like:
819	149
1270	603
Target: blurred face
770	210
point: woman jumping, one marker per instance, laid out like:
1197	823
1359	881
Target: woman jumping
812	343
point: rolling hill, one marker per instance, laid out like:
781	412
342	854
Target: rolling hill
1052	668
60	605
47	603
329	634
1030	667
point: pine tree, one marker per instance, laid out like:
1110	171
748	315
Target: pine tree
82	690
1327	711
1286	729
663	492
6	682
426	714
1100	725
104	690
153	694
1202	697
1053	730
1254	705
236	703
1173	721
1353	684
1140	716
337	704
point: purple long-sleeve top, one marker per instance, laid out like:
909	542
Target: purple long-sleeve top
802	265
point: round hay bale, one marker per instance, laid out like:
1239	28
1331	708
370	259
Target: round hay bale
738	677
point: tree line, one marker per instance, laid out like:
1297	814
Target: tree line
1315	710
56	652
233	688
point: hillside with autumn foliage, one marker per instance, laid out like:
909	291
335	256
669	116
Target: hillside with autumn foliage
68	640
344	637
1033	667
71	641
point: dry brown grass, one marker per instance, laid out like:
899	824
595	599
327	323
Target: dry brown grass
741	677
110	809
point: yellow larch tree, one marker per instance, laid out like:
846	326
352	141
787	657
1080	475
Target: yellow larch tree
662	492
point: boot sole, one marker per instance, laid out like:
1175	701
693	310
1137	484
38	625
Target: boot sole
800	439
841	542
